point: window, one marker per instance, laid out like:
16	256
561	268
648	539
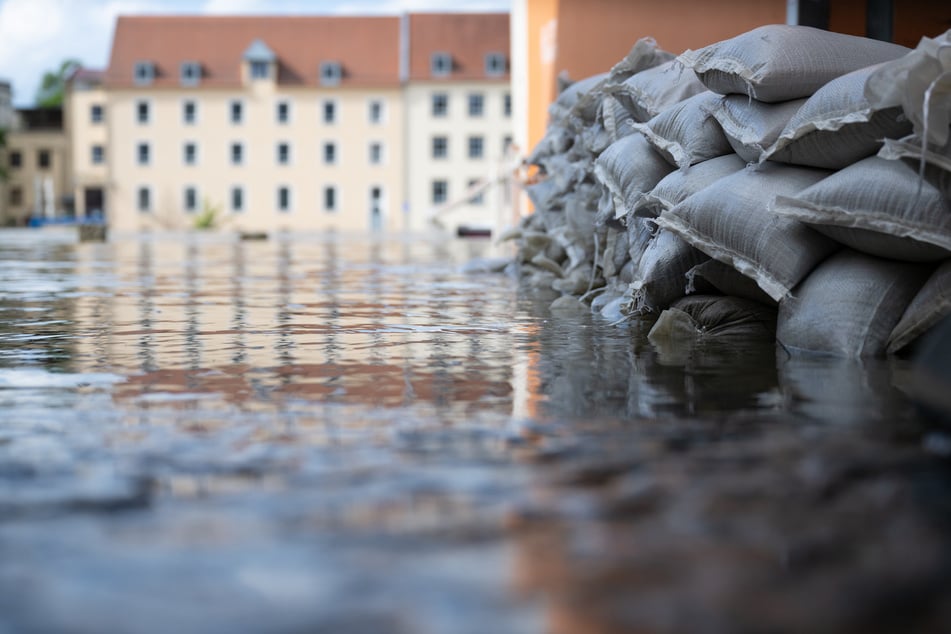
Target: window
16	196
330	111
260	69
283	113
440	192
284	198
375	111
142	153
330	153
283	153
237	112
476	148
190	73
144	199
143	73
96	113
376	153
330	73
476	104
189	112
97	155
43	159
237	199
190	153
330	198
191	199
440	104
16	159
142	111
237	154
440	147
440	64
506	142
507	104
476	199
494	64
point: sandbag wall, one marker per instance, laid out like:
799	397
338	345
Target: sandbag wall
789	176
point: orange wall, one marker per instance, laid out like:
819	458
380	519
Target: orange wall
541	54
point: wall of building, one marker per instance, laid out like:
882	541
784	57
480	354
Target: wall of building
86	133
27	184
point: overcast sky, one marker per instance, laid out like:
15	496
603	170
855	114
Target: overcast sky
36	35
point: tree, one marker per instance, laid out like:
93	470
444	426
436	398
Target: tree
53	86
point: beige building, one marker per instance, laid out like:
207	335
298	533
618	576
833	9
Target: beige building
37	162
297	123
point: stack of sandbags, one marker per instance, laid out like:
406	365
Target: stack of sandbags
748	169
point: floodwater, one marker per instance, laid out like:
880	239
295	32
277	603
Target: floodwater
342	434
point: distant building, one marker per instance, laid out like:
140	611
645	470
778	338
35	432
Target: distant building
7	112
37	161
298	123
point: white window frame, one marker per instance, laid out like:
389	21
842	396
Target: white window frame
495	64
231	146
381	158
441	142
148	111
507	104
336	199
331	73
381	119
472	99
444	96
102	154
94	118
143	73
469	147
445	193
231	104
254	65
189	73
440	64
336	153
479	199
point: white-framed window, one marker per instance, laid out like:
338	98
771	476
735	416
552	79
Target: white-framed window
237	153
329	111
283	153
143	73
440	147
189	112
330	199
330	153
494	64
190	73
476	147
143	111
440	64
440	191
97	113
97	155
190	153
375	153
282	112
330	73
236	111
237	199
507	104
476	104
260	69
284	198
190	199
376	112
477	199
143	153
440	104
143	198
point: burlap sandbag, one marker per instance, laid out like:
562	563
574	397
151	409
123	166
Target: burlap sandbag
753	126
687	133
630	168
779	62
849	305
927	309
680	184
730	221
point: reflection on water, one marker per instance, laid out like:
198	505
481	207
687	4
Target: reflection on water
346	434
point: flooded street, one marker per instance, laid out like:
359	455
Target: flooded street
341	434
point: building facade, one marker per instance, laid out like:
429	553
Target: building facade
37	164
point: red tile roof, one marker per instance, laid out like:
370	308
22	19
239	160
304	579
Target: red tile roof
366	47
468	37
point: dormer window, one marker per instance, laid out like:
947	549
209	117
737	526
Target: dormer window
440	64
330	73
494	64
261	61
260	70
190	73
143	73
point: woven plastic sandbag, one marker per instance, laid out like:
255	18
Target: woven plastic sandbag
630	168
933	163
849	305
661	274
730	221
779	62
557	140
617	119
878	207
714	317
753	126
640	233
680	184
926	310
650	92
559	109
837	126
724	279
686	133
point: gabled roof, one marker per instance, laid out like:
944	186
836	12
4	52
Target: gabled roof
467	37
366	47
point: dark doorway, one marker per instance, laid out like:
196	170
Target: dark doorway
95	202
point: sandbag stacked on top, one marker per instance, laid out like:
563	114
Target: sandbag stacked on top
746	166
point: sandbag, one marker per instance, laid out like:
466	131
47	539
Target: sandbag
730	221
723	278
617	120
753	126
687	133
837	126
779	62
874	206
926	310
559	110
714	317
651	92
849	305
630	168
679	184
661	274
936	160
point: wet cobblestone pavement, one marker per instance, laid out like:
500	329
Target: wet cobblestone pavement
204	435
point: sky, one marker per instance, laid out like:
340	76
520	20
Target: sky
36	35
